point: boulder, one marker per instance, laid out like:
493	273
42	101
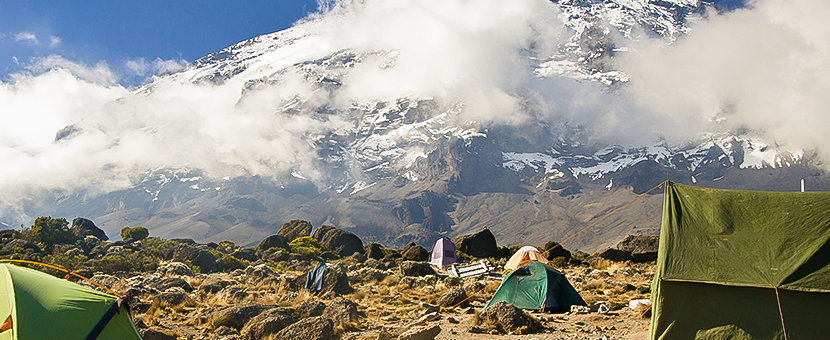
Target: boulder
615	255
309	308
196	256
245	254
259	272
506	318
314	328
214	285
175	268
554	249
481	244
413	252
427	332
341	309
642	248
338	241
294	229
413	268
373	251
82	227
236	316
267	323
452	297
336	280
273	241
172	297
171	282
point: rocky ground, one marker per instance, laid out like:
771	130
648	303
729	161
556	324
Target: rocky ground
179	289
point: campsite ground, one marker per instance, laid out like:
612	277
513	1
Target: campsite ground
622	325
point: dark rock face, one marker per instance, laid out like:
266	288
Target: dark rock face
554	250
236	316
341	309
453	297
336	280
412	268
506	318
429	209
642	248
615	255
197	257
273	241
338	241
82	227
245	254
413	252
269	322
373	251
294	229
23	244
214	285
481	244
315	328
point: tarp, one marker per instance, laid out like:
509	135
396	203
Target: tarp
537	285
524	255
41	306
314	277
727	258
443	253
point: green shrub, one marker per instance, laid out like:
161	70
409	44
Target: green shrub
49	231
306	246
137	233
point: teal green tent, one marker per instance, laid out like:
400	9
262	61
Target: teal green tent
742	265
536	286
35	305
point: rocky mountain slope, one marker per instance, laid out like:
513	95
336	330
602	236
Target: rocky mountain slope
414	168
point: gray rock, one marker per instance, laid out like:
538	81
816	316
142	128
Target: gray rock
315	328
340	242
413	252
236	316
267	323
615	255
341	309
196	256
82	227
294	229
505	317
373	251
427	332
453	297
154	334
641	247
412	268
481	244
273	241
171	282
309	308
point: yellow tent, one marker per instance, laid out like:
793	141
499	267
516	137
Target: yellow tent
523	256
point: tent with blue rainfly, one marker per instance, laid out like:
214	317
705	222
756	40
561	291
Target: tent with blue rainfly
36	305
536	285
443	253
736	264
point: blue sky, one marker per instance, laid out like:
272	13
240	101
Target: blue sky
117	31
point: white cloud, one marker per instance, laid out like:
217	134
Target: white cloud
54	41
27	37
142	68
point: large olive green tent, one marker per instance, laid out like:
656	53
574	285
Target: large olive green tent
35	305
536	286
742	265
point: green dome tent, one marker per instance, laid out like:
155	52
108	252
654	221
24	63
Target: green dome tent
36	305
535	286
